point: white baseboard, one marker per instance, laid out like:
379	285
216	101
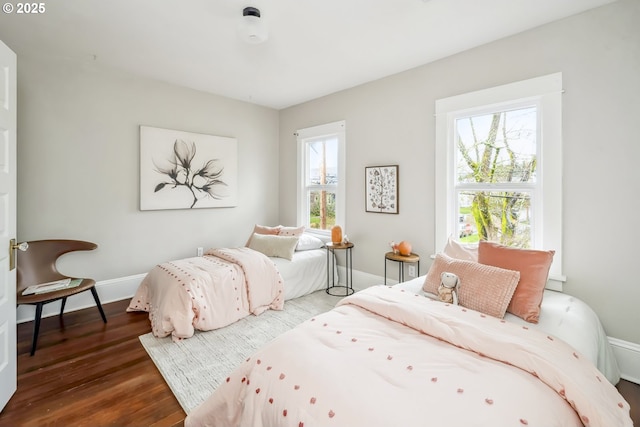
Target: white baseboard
628	358
361	280
108	291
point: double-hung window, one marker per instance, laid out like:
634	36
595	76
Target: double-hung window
499	166
321	178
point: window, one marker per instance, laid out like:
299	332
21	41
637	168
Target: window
499	167
321	178
494	182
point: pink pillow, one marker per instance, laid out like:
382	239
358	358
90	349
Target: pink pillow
291	231
533	266
482	287
261	229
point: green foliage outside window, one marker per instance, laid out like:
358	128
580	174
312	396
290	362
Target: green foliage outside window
501	153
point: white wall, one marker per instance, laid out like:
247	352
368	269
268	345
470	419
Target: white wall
78	165
391	121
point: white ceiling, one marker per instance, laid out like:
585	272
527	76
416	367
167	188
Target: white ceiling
315	47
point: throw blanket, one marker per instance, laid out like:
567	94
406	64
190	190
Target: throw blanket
387	357
208	292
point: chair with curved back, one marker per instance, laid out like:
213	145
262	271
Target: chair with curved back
37	265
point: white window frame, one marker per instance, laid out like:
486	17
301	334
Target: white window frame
335	129
546	93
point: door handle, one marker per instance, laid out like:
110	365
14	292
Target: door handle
22	246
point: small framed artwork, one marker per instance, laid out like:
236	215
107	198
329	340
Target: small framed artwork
381	189
186	170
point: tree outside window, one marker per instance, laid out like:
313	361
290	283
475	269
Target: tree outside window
496	164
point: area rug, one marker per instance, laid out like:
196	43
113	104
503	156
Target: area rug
194	367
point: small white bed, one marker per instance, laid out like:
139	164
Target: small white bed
227	284
305	273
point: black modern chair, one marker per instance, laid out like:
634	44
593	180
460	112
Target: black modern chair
37	265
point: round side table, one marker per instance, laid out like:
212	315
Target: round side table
331	268
401	259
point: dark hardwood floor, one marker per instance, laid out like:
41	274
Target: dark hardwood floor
92	374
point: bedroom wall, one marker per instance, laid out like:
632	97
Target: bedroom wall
391	121
78	165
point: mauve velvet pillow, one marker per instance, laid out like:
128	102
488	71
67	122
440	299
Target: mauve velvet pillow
482	287
533	266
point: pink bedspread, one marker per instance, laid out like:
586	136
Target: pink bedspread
208	292
386	357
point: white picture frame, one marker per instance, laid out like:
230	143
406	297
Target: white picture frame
186	170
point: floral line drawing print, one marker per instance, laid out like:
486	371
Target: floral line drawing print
204	181
186	170
382	189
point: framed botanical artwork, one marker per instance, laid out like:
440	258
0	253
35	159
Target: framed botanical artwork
185	170
381	189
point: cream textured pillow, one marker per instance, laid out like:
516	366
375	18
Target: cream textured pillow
533	266
482	287
276	246
262	229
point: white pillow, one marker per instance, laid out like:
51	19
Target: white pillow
308	242
457	250
276	246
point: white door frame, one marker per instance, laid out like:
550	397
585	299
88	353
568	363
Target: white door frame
8	124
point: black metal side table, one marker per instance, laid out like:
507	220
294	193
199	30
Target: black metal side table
331	268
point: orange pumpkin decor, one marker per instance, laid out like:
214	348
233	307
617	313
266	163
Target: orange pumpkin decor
336	234
404	248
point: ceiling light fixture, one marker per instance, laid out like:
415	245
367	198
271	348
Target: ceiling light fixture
252	29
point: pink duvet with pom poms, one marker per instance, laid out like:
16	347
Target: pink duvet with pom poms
385	357
208	292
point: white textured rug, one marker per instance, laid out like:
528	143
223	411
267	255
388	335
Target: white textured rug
194	367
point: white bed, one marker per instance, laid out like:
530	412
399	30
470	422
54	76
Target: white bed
304	274
565	317
227	284
391	356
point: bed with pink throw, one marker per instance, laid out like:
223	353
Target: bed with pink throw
208	292
390	357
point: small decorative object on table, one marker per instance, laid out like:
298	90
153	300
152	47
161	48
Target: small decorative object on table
404	248
336	234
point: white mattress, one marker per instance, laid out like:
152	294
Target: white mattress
305	273
567	318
